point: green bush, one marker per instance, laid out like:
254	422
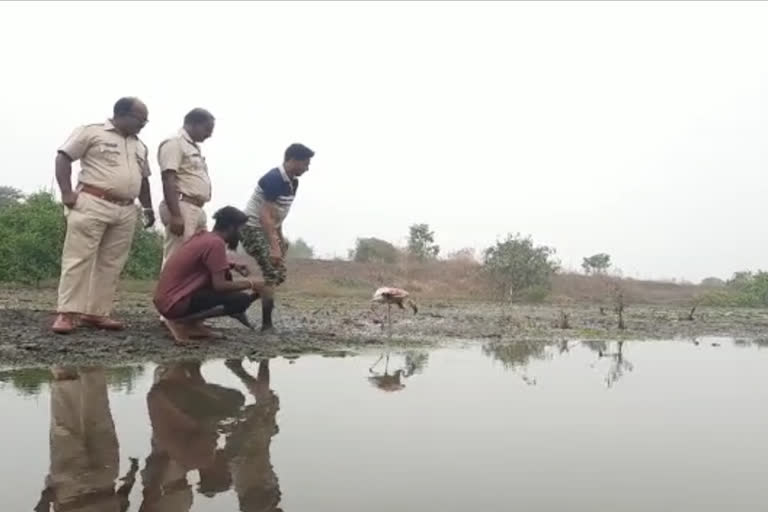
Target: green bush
300	249
146	254
31	238
32	234
517	268
744	289
374	250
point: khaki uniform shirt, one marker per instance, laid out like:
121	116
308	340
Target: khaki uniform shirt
182	155
108	160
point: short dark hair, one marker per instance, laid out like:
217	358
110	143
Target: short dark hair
197	116
298	152
229	217
123	106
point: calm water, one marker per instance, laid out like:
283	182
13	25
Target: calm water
652	426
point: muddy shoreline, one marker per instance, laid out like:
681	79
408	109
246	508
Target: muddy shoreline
333	326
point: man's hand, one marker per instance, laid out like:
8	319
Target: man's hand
149	218
69	199
240	269
176	225
256	285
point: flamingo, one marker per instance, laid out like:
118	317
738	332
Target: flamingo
389	295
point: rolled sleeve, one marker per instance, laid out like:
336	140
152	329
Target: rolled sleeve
77	144
169	155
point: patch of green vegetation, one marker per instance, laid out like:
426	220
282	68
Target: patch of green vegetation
590	333
744	289
32	231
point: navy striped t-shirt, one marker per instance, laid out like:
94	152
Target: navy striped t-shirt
276	187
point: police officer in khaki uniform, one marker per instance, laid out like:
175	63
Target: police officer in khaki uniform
186	185
84	450
101	213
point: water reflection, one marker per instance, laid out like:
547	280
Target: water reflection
187	414
414	363
248	443
84	451
614	353
209	431
517	355
29	381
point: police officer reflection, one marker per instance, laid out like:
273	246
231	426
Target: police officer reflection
84	452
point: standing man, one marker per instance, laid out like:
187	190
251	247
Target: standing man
186	185
262	237
101	213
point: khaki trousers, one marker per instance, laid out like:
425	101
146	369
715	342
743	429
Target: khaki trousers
195	221
84	449
99	238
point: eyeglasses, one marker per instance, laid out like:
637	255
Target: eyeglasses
141	121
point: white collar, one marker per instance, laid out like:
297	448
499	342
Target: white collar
284	174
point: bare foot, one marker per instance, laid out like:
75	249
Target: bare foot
179	332
198	330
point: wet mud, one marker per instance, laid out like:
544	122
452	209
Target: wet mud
335	326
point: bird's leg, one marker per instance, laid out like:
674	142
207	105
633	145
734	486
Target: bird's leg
386	365
377	318
374	364
389	318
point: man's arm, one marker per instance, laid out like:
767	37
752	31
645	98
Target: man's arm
74	148
169	156
145	197
215	260
64	179
267	217
221	284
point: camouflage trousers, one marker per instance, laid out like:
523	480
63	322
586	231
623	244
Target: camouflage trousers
255	243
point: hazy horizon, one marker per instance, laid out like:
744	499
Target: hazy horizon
636	129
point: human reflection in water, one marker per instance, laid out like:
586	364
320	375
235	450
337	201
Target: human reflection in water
248	444
84	451
186	413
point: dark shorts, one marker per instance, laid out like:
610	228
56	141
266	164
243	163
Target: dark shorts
255	243
203	300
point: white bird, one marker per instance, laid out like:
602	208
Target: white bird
389	295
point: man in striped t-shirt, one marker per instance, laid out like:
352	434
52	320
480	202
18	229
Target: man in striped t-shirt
262	237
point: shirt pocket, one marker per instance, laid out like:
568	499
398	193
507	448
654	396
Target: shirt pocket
196	162
110	154
141	162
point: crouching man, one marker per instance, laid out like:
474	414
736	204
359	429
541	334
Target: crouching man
196	282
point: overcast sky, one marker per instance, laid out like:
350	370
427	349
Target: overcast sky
637	129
